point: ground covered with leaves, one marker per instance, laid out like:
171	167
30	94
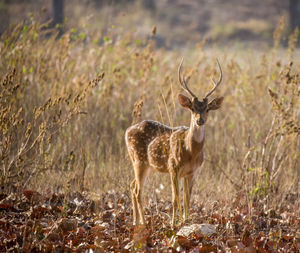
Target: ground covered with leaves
34	222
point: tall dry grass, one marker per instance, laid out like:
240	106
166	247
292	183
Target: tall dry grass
58	126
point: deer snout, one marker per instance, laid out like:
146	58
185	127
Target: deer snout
200	122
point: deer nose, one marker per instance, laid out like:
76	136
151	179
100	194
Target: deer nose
200	122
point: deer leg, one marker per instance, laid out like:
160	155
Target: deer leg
175	195
140	176
134	202
187	191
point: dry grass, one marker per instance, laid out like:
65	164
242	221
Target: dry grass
59	127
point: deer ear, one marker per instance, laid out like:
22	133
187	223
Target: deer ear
215	104
185	101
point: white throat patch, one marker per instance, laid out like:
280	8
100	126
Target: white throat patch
198	135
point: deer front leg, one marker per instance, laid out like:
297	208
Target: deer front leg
175	196
175	190
187	191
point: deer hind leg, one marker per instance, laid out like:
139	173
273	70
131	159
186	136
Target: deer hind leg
134	201
137	184
133	189
187	191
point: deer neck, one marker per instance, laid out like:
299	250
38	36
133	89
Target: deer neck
195	135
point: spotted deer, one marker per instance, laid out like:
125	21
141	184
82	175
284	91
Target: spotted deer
174	150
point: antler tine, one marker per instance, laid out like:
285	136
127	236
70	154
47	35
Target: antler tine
215	84
183	81
179	71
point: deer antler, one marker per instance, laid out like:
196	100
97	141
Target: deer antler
183	81
215	84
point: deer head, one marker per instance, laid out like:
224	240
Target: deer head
199	109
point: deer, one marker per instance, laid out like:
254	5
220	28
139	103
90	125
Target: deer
153	146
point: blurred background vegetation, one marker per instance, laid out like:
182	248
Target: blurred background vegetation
76	74
180	22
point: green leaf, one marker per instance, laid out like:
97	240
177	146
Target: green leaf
82	36
25	28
